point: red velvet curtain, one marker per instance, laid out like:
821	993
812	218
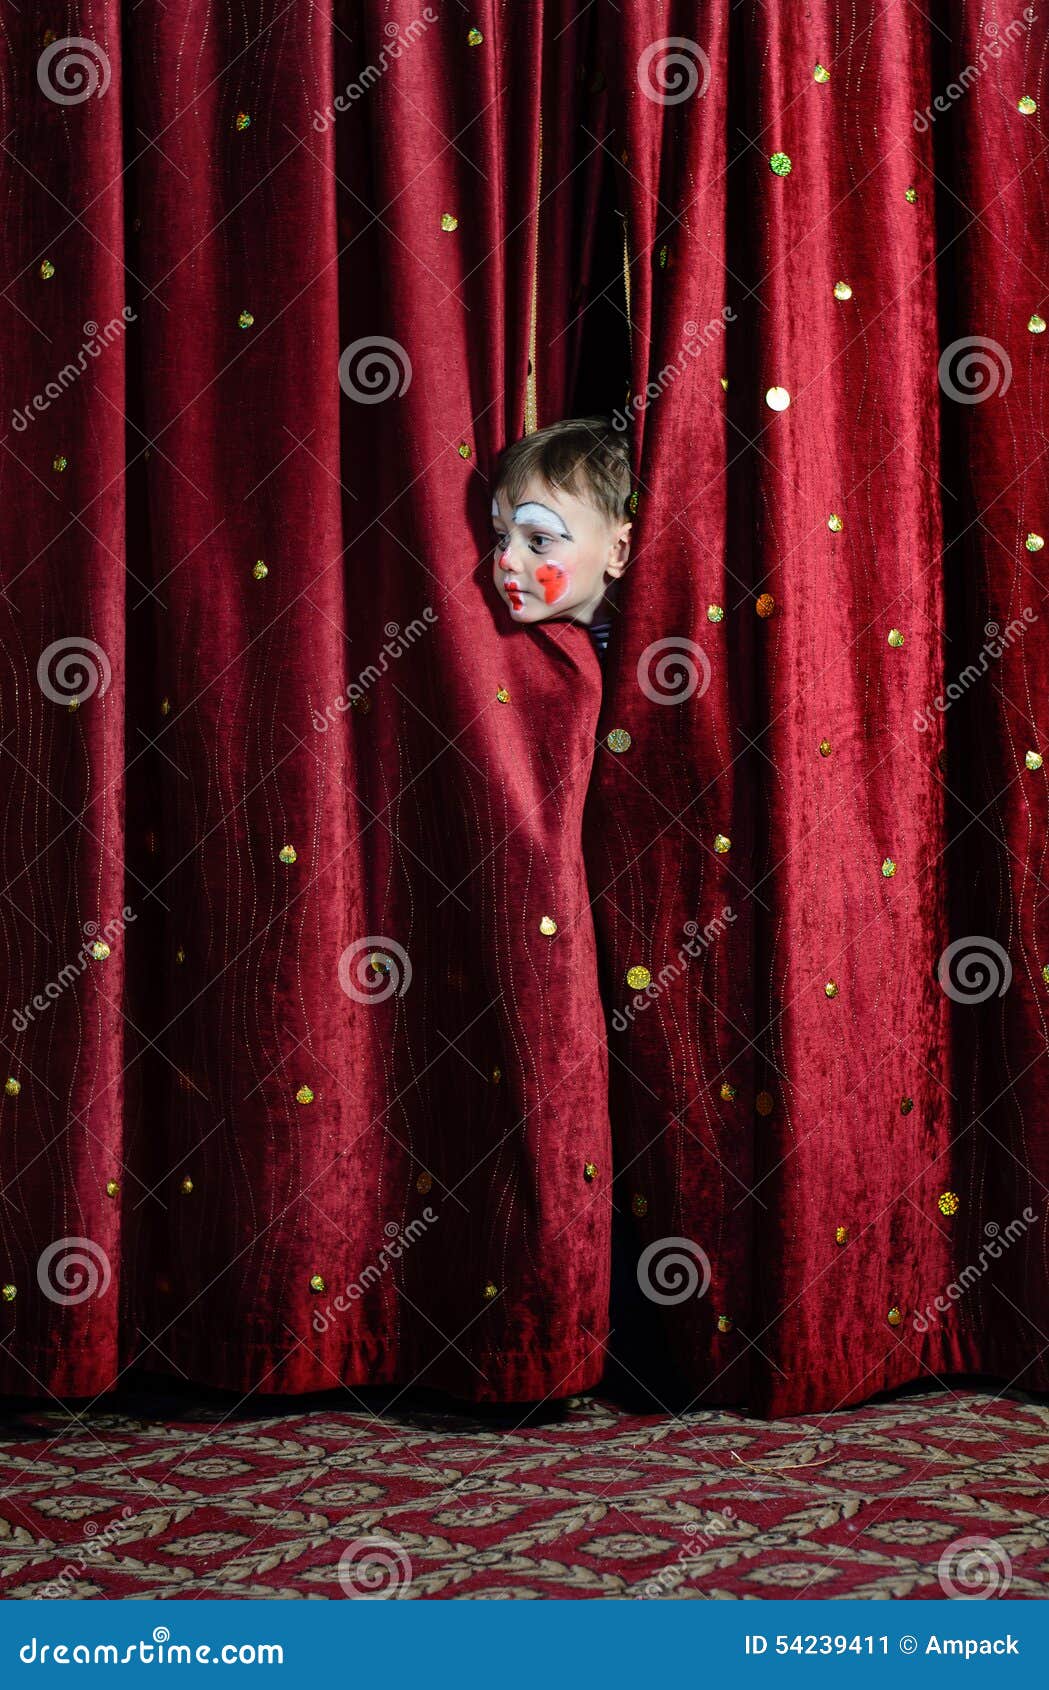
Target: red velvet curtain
364	956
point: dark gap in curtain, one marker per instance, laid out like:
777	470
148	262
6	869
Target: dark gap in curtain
588	157
151	800
639	1370
645	893
991	476
747	688
603	374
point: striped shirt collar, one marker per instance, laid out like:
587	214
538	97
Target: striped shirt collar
600	628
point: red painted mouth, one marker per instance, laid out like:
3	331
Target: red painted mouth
513	593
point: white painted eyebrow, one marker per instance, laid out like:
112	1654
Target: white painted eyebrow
541	514
495	507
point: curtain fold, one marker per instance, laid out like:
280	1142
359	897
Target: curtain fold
365	957
995	492
62	706
852	1139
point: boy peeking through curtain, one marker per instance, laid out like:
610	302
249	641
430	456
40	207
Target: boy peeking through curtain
562	536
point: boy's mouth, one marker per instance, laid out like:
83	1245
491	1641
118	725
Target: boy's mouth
514	594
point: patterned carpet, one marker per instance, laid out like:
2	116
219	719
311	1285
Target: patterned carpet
185	1494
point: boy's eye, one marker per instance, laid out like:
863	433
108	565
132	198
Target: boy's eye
540	540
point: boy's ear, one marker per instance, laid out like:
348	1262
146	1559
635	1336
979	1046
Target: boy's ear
619	552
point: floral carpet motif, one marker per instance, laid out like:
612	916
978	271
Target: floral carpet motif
930	1494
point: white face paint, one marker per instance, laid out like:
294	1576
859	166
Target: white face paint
543	516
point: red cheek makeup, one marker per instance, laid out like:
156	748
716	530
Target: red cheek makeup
553	580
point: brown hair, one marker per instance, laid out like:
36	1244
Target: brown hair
585	456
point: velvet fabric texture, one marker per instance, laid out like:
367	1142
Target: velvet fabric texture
323	885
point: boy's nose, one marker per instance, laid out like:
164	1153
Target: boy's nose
505	560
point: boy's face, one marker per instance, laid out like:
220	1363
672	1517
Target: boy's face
554	553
